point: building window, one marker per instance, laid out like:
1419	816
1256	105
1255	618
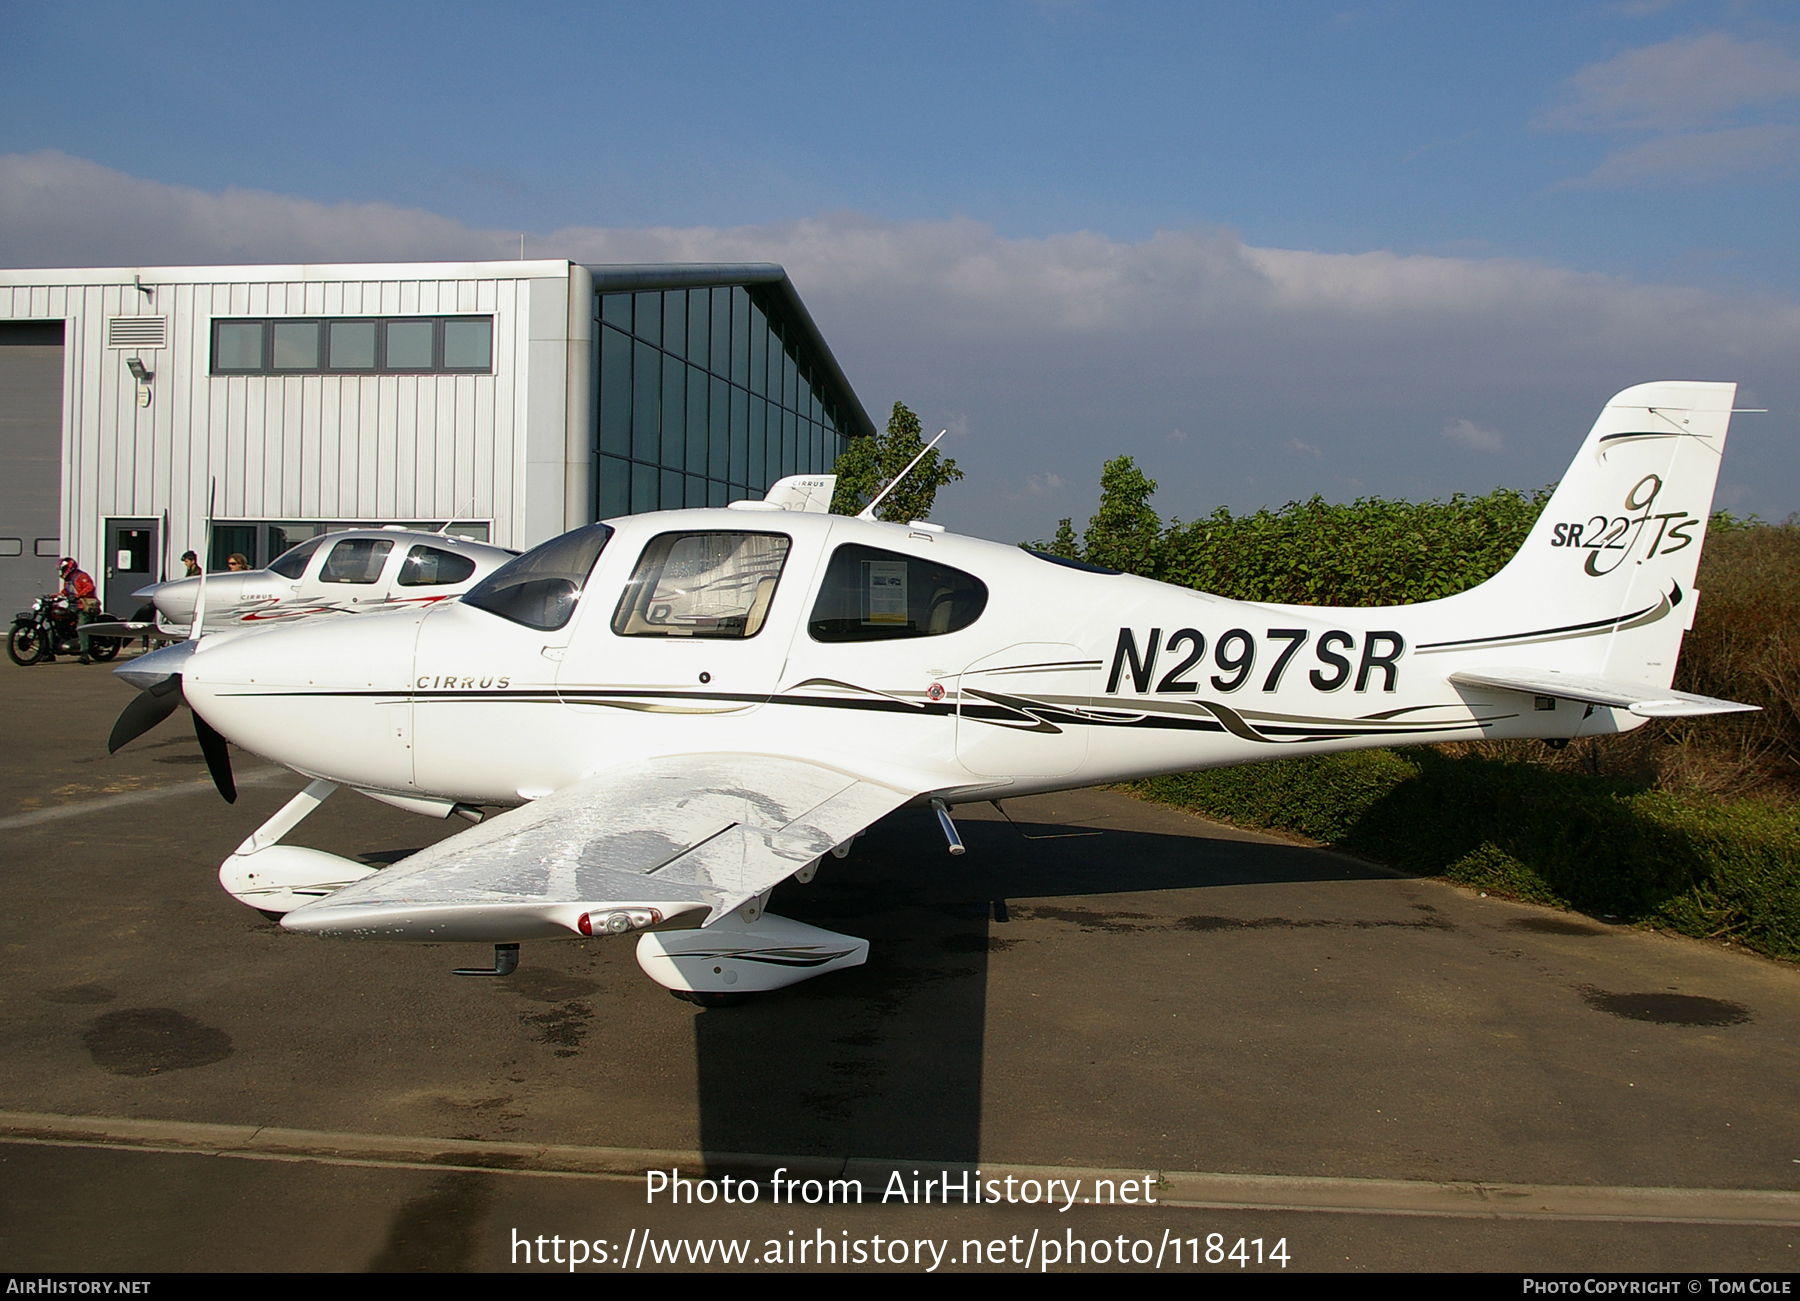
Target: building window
705	397
411	345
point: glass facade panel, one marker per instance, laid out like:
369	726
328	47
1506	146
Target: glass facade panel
721	331
296	345
615	392
718	427
699	314
239	346
646	407
644	494
409	344
702	401
759	415
352	345
674	320
759	353
694	462
615	487
738	469
469	345
740	336
674	404
647	318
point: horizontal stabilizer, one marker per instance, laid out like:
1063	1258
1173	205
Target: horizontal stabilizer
651	842
1645	701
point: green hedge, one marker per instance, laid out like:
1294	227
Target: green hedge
1600	846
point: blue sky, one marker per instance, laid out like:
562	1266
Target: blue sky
1532	201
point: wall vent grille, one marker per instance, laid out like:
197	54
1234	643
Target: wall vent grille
137	332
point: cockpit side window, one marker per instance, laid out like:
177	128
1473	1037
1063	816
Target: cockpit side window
356	560
702	585
873	595
292	562
541	588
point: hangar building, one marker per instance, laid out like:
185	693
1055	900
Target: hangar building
509	400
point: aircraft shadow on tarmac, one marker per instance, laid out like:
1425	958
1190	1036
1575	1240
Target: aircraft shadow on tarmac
886	1060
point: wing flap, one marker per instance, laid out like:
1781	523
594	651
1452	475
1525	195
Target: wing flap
683	836
1645	701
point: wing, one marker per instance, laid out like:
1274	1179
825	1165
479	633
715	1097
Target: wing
691	836
1649	702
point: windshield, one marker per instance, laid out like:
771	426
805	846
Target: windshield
292	562
541	588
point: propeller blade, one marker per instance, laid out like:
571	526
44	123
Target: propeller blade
148	708
218	758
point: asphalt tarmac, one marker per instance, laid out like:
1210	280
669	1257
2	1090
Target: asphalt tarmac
1276	1044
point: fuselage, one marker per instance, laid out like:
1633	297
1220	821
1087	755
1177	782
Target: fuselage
361	571
968	668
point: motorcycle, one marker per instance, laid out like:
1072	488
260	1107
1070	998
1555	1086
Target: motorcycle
52	627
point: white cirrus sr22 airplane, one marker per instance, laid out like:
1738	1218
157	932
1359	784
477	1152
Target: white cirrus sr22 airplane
358	571
683	709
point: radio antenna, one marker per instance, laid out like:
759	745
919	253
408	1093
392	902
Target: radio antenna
198	627
445	531
868	512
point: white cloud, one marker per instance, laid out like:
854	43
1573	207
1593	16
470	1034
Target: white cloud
1466	433
1041	485
1058	353
1701	155
1687	82
1174	437
1684	101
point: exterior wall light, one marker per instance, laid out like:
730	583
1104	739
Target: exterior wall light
143	378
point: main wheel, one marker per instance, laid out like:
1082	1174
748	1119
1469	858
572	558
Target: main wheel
27	644
102	649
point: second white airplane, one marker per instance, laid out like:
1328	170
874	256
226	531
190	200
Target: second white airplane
686	708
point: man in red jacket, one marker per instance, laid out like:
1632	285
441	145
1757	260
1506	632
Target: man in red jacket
78	589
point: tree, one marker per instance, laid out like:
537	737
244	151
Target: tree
1125	532
869	464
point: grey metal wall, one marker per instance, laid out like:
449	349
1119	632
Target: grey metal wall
314	446
31	386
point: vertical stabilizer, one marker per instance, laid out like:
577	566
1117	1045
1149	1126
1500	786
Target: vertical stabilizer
1604	584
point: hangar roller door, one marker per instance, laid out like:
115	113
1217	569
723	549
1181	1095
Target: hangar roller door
31	385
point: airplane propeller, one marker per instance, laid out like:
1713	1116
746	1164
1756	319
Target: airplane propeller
218	758
148	708
151	706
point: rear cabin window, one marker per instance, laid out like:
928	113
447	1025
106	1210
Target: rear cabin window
873	595
541	588
356	560
702	585
433	567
